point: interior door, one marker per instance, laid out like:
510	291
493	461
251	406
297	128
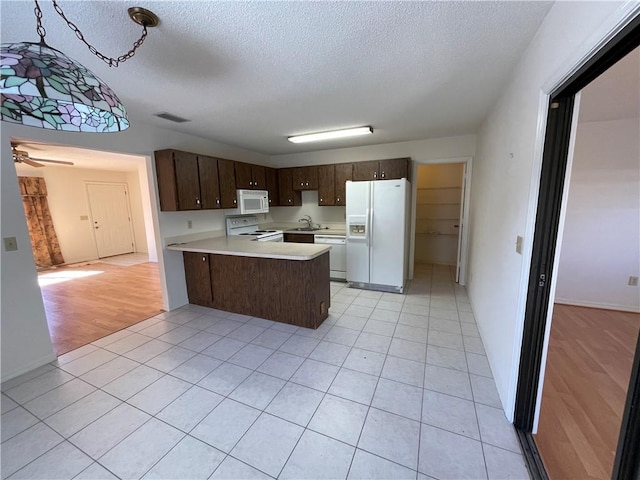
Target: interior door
110	214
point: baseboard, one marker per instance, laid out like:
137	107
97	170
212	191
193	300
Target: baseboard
604	306
27	368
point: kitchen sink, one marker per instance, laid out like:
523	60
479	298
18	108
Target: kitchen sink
304	229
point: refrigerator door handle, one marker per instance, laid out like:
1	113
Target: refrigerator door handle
367	227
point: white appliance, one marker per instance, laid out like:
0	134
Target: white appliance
247	226
337	255
252	202
378	234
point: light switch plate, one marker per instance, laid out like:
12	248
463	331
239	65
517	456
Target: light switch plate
519	244
633	281
10	244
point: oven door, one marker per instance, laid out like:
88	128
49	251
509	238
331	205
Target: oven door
253	201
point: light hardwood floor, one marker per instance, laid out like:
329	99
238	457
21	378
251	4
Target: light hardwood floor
588	368
88	306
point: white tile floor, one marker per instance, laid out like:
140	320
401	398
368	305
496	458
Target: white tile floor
390	386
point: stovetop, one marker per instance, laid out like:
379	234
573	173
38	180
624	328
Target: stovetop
248	225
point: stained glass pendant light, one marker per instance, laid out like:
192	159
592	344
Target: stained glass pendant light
42	87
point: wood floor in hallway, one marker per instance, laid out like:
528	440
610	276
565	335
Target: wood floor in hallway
85	303
587	375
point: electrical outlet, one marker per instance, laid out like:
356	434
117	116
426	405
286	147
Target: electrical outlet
633	281
10	244
189	224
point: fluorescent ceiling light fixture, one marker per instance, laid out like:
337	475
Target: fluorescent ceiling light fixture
313	137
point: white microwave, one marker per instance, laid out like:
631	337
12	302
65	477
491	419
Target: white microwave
253	201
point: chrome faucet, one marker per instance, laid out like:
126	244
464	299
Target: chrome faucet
306	218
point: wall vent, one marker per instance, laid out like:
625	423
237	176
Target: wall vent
171	117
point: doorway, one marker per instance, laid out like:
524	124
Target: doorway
439	190
87	295
562	122
111	218
440	215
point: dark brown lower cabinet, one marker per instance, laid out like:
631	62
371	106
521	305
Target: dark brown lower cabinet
287	291
198	278
299	237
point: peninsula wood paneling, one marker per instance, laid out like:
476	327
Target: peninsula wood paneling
287	291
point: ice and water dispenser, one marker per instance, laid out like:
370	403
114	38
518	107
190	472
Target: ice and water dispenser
357	230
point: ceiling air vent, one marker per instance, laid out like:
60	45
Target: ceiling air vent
171	117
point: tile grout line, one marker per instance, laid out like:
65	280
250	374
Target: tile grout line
255	370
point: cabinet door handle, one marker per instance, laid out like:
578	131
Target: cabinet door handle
307	184
235	201
375	174
197	201
338	199
217	201
255	184
302	184
382	175
321	200
289	200
204	258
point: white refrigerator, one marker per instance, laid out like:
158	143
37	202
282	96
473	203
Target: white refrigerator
378	234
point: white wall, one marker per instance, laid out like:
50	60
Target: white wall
137	212
506	176
25	337
418	150
600	247
68	202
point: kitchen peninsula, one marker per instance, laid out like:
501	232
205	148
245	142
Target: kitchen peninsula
284	282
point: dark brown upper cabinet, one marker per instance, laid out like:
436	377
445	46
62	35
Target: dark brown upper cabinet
391	169
326	185
287	195
250	177
343	172
227	178
305	178
394	169
271	179
209	182
187	181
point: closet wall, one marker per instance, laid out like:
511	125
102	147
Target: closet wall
438	201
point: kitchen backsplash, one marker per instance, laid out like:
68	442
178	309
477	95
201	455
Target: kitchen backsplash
322	215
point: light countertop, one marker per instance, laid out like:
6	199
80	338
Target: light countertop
245	247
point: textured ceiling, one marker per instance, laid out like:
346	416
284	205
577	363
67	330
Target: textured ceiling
252	73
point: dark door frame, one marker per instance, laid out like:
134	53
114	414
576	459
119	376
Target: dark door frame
552	180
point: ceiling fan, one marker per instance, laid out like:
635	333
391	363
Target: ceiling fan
22	156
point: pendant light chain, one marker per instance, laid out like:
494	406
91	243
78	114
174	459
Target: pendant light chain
39	28
112	62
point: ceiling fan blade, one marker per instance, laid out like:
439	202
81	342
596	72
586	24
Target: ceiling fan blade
30	162
61	162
